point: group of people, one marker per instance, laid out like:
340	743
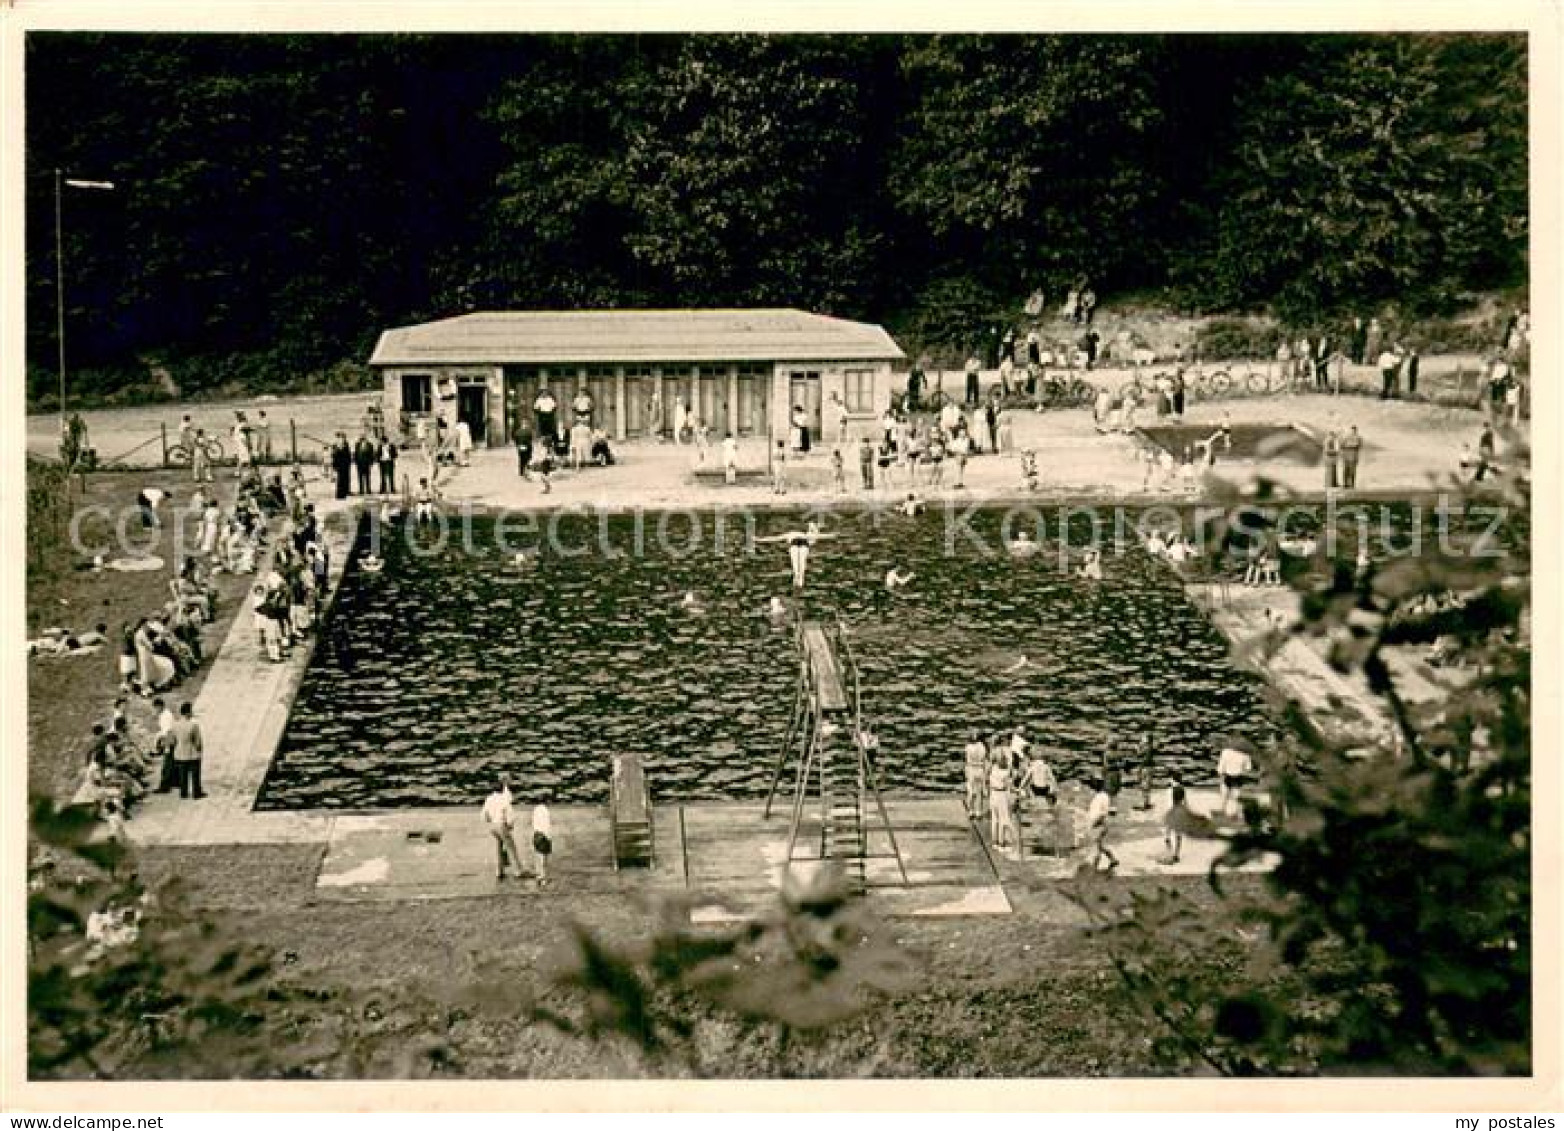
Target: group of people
365	455
1007	776
124	764
1339	456
285	602
499	815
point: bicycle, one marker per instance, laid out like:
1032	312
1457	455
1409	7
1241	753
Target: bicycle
181	453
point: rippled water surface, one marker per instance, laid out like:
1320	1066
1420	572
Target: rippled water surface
460	665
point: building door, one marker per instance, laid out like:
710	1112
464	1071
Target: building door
711	398
754	400
804	392
521	389
603	389
472	405
638	399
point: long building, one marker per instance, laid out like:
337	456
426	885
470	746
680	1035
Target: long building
741	371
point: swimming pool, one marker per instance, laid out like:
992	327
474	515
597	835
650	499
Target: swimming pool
455	665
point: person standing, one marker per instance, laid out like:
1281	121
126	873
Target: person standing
779	469
1330	456
523	450
1359	341
1001	816
364	459
463	443
681	420
914	388
1487	451
500	816
1098	817
654	412
800	429
1233	768
1389	367
387	466
544	414
838	472
866	463
1351	449
974	370
1411	366
976	757
186	735
841	419
1373	338
342	465
542	841
200	461
582	406
241	438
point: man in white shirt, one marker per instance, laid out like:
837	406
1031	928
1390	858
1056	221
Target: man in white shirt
501	819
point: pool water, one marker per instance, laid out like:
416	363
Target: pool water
453	667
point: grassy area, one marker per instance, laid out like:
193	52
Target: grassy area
65	696
1024	995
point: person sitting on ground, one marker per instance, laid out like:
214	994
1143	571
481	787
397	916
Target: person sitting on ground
602	454
912	505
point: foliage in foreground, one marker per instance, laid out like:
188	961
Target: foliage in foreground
1396	935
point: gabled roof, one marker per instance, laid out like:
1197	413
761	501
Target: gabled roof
606	336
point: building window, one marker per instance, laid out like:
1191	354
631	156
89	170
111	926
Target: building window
417	392
858	389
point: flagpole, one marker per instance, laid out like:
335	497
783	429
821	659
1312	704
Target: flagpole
59	293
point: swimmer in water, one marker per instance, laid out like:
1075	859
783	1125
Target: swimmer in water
895	579
799	543
1091	569
522	559
777	609
1023	545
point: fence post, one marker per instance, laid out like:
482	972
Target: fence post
162	428
293	438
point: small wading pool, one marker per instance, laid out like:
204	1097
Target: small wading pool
458	666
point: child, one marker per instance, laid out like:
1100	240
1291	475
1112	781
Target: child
543	467
779	469
838	472
1029	469
730	458
542	842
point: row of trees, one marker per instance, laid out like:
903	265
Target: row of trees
288	196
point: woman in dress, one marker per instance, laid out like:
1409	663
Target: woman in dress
982	436
155	671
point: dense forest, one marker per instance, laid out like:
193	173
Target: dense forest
279	199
